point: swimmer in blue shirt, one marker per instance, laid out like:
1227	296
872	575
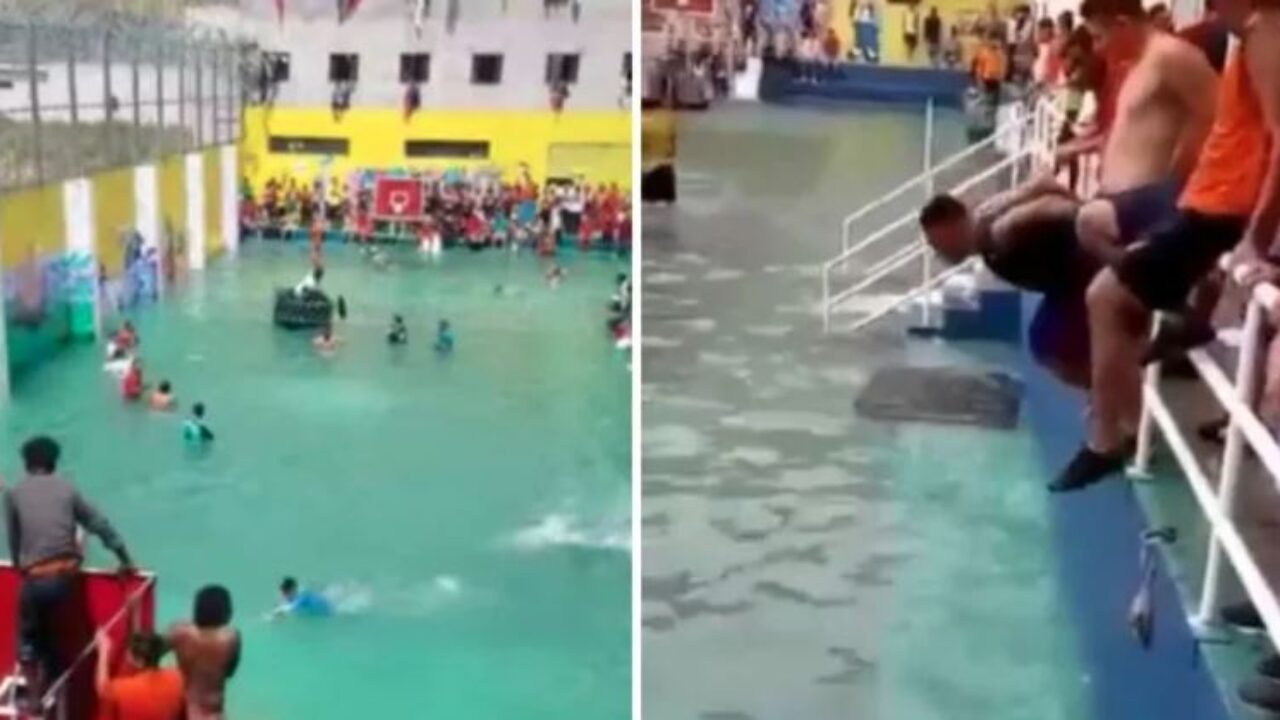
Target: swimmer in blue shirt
301	602
194	430
444	337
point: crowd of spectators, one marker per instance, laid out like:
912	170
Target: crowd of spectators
476	210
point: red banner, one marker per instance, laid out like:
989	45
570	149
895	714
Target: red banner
705	7
97	600
398	199
280	11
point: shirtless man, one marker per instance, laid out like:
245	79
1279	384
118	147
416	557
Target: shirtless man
1159	125
1161	120
1231	199
208	652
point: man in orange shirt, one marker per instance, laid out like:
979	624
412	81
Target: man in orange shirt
1231	200
149	693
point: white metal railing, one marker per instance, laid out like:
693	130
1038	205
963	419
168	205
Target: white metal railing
930	173
1034	136
1244	430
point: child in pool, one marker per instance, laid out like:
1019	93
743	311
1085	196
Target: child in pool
444	337
300	602
399	334
326	342
554	275
161	399
131	386
194	430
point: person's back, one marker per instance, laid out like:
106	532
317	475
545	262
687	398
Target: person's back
151	694
208	652
1157	118
44	507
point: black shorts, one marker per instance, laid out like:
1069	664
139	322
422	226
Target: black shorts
1143	209
1162	270
1059	331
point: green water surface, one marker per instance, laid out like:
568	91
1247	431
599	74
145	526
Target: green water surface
469	513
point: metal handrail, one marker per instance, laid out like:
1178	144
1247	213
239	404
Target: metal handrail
952	161
900	258
1245	430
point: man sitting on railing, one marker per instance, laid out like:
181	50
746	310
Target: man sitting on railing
43	512
1232	199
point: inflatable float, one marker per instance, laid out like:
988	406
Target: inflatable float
308	310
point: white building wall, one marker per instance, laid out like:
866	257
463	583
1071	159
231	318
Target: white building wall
381	30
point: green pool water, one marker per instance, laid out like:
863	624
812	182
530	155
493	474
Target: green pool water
802	561
470	513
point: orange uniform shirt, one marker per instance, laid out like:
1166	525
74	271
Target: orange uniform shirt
1233	162
148	695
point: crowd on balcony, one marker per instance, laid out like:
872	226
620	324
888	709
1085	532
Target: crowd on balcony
1185	125
464	209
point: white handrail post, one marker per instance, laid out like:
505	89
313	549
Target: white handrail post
1232	456
1146	426
927	261
826	299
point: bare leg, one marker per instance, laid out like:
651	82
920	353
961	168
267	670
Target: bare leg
1117	325
1099	231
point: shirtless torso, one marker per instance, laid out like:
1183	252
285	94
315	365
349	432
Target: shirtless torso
208	658
1162	115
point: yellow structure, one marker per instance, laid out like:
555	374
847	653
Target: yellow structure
31	224
171	179
113	213
596	145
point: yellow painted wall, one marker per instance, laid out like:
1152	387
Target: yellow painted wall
31	224
893	18
113	213
377	136
173	195
212	202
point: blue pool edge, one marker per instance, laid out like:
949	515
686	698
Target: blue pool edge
1096	536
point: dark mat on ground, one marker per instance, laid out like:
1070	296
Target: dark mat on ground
942	395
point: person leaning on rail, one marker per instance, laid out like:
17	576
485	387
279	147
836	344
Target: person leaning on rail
43	512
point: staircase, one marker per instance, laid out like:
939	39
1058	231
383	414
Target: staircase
884	267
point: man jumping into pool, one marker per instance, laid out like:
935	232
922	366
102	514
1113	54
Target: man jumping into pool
1028	236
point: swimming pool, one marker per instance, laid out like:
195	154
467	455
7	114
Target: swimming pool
826	566
471	513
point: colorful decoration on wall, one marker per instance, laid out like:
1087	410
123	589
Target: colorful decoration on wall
347	8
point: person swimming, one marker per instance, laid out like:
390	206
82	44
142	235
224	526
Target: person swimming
131	386
194	430
326	342
399	334
310	282
300	602
162	397
444	337
554	275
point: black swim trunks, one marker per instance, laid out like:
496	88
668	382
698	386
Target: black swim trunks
1162	270
1143	209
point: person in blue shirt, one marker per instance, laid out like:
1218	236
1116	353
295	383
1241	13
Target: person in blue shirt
301	602
444	337
194	430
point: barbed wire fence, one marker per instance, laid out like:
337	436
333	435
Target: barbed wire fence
90	85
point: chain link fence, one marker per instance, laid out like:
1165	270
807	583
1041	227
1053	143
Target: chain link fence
89	85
